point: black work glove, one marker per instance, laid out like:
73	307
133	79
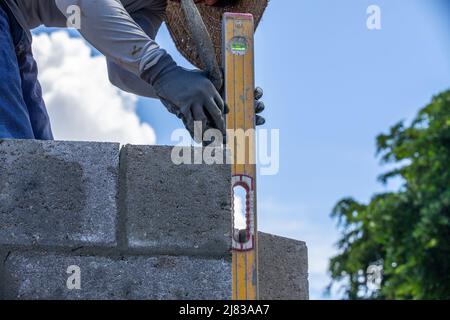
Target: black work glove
259	107
188	94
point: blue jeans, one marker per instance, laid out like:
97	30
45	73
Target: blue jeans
22	109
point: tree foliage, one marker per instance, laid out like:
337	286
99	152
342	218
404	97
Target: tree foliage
406	233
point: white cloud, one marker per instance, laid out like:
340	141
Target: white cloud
81	102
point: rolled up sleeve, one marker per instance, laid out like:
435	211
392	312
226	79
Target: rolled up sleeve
150	20
115	33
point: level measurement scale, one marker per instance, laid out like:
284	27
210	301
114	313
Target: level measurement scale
238	38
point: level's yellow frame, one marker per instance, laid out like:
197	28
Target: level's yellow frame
239	95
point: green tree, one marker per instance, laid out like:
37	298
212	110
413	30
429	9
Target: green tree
406	233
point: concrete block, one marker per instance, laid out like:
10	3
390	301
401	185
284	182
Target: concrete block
58	193
38	276
283	268
174	209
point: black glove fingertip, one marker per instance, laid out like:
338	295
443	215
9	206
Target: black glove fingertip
260	121
227	109
258	93
259	106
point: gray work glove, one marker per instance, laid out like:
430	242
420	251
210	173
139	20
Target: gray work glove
188	94
259	107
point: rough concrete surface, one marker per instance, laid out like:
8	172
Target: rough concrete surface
175	209
44	276
144	229
283	268
58	193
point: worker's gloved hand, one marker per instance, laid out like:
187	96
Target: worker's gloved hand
189	94
259	107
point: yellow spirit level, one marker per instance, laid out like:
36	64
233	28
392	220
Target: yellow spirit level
238	42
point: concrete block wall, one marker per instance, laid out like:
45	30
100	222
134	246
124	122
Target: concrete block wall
136	225
184	209
58	194
283	268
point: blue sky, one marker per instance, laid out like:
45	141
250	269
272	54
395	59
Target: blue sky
331	86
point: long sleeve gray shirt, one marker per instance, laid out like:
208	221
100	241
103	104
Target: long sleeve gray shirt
122	30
